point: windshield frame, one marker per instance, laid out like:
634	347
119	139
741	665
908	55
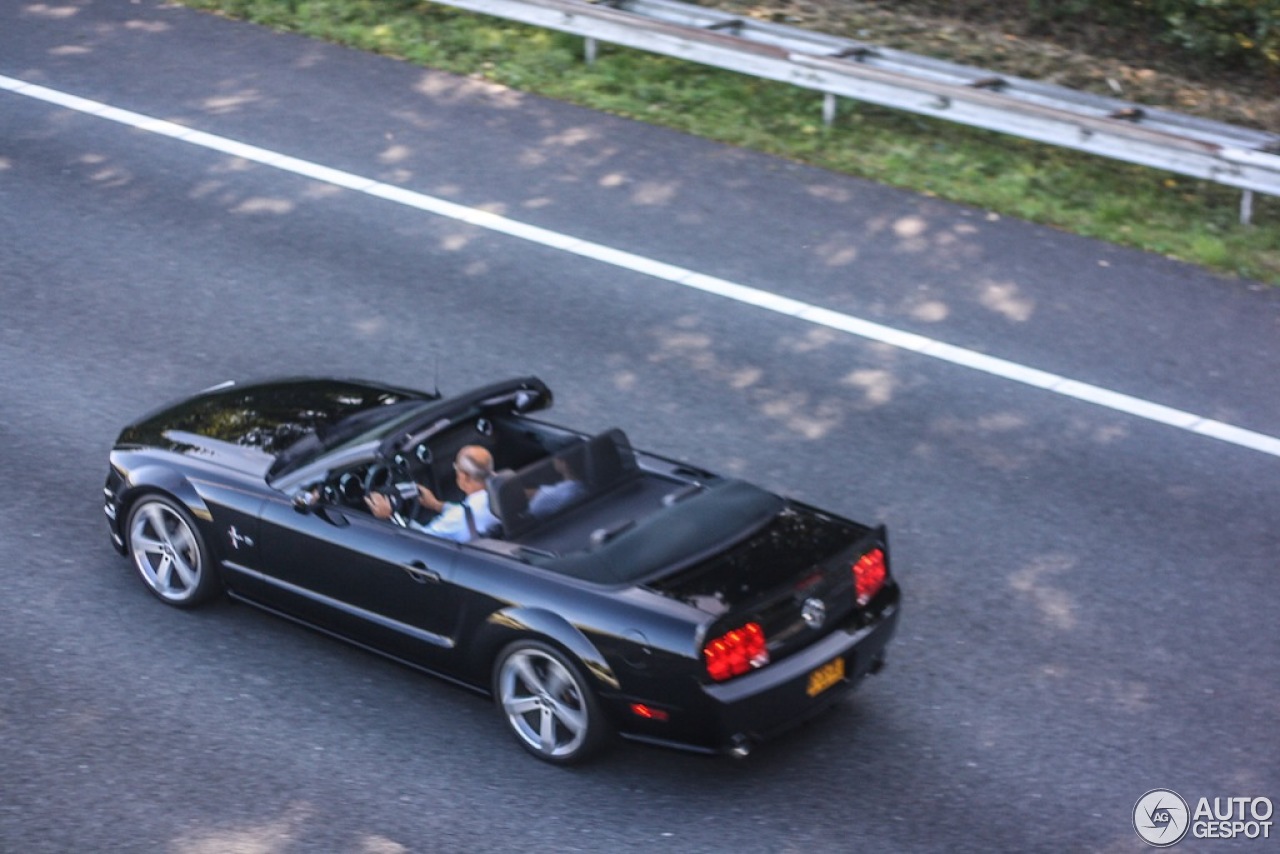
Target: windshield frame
360	428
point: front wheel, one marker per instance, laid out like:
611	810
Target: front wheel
547	703
169	554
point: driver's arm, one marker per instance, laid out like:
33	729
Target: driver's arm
428	499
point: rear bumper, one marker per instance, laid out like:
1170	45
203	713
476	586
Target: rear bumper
761	705
733	716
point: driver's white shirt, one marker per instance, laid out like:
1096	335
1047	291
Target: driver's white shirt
451	522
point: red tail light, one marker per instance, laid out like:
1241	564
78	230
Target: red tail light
868	575
736	652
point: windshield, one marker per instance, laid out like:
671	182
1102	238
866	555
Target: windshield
363	426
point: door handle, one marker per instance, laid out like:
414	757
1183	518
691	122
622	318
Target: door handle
418	571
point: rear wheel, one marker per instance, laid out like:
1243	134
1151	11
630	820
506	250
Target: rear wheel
168	552
547	703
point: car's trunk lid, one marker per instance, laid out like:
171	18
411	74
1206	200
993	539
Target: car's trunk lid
793	578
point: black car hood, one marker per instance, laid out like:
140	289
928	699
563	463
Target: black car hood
247	426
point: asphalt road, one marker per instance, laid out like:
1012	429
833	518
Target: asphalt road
1090	596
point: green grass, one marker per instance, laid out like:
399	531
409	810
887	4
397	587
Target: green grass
1195	221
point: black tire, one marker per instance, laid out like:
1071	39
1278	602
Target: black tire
547	703
168	552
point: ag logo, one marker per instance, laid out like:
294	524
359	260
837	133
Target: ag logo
1161	817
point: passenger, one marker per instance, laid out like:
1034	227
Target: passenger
457	521
551	498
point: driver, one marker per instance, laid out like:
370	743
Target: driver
457	521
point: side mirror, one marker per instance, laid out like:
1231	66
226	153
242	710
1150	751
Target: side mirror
305	500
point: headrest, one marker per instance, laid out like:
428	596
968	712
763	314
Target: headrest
506	498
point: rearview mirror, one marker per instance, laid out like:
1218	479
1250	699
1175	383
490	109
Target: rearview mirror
527	401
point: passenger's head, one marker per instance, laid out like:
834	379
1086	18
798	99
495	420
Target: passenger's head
563	469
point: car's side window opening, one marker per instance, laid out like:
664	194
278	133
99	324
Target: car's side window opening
559	468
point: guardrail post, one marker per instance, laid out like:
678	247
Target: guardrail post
589	50
828	109
1246	207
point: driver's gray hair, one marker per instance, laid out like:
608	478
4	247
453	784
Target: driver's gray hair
475	462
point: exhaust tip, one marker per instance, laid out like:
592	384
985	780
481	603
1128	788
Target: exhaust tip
740	746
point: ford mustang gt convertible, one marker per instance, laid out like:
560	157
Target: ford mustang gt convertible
651	599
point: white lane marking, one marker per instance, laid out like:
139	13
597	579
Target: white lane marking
744	294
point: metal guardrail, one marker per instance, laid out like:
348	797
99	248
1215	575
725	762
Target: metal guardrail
1234	156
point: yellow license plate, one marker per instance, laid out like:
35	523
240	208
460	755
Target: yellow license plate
826	676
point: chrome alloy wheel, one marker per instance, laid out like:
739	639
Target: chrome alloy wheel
167	552
545	704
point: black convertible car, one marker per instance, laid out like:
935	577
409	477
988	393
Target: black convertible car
657	601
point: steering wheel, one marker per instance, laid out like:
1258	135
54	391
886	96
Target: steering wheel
348	489
382	478
353	486
377	478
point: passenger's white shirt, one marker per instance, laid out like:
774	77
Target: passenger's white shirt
555	496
